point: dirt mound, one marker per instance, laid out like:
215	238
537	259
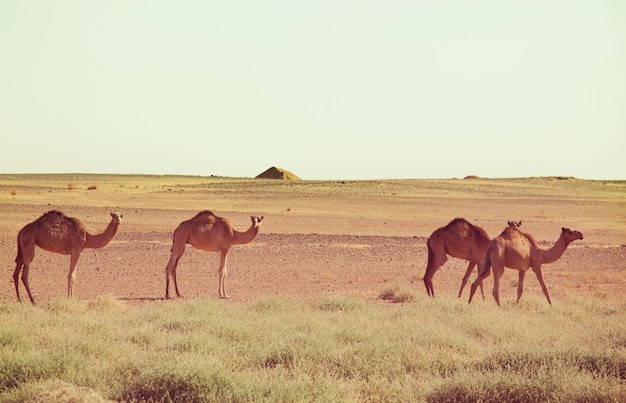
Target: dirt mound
278	173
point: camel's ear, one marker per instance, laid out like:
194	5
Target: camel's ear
256	220
514	224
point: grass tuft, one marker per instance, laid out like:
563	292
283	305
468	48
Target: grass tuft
397	294
338	304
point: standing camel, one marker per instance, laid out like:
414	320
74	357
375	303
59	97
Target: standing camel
459	239
207	232
518	250
58	233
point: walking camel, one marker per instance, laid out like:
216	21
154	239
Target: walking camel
518	250
460	239
58	233
207	232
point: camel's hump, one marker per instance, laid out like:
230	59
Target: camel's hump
204	213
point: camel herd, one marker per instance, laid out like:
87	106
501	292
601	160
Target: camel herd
512	248
58	233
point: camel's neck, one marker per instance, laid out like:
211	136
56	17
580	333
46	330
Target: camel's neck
554	253
240	238
101	240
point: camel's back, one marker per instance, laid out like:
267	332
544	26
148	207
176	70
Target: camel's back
209	222
207	231
514	236
515	245
461	230
460	239
55	231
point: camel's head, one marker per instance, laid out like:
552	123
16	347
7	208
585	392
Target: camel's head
117	217
256	221
515	224
571	235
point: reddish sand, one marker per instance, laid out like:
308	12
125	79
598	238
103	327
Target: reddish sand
307	256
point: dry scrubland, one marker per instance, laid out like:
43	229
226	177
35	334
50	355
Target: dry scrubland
310	317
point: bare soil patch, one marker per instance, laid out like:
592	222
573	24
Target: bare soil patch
318	238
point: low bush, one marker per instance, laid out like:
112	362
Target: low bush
397	294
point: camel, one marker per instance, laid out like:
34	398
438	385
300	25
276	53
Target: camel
58	233
459	239
207	232
518	250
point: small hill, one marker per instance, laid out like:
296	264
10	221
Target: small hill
278	173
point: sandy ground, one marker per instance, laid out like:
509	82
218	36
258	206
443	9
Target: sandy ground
304	252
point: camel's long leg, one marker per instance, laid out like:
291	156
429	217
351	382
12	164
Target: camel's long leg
170	271
484	268
16	279
222	273
25	271
497	273
539	275
25	256
179	240
435	261
520	285
71	276
428	279
468	273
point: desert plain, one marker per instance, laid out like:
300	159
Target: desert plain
318	238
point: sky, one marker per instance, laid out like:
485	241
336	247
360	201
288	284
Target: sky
337	89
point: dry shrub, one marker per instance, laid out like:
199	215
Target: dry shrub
92	187
397	294
70	186
13	192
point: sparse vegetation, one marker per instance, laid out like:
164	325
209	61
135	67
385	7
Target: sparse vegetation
328	349
325	346
397	294
92	187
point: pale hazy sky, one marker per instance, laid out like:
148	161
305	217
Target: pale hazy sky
326	89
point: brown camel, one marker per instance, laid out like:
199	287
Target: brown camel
58	233
518	250
207	232
459	239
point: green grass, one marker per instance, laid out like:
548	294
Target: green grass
332	349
